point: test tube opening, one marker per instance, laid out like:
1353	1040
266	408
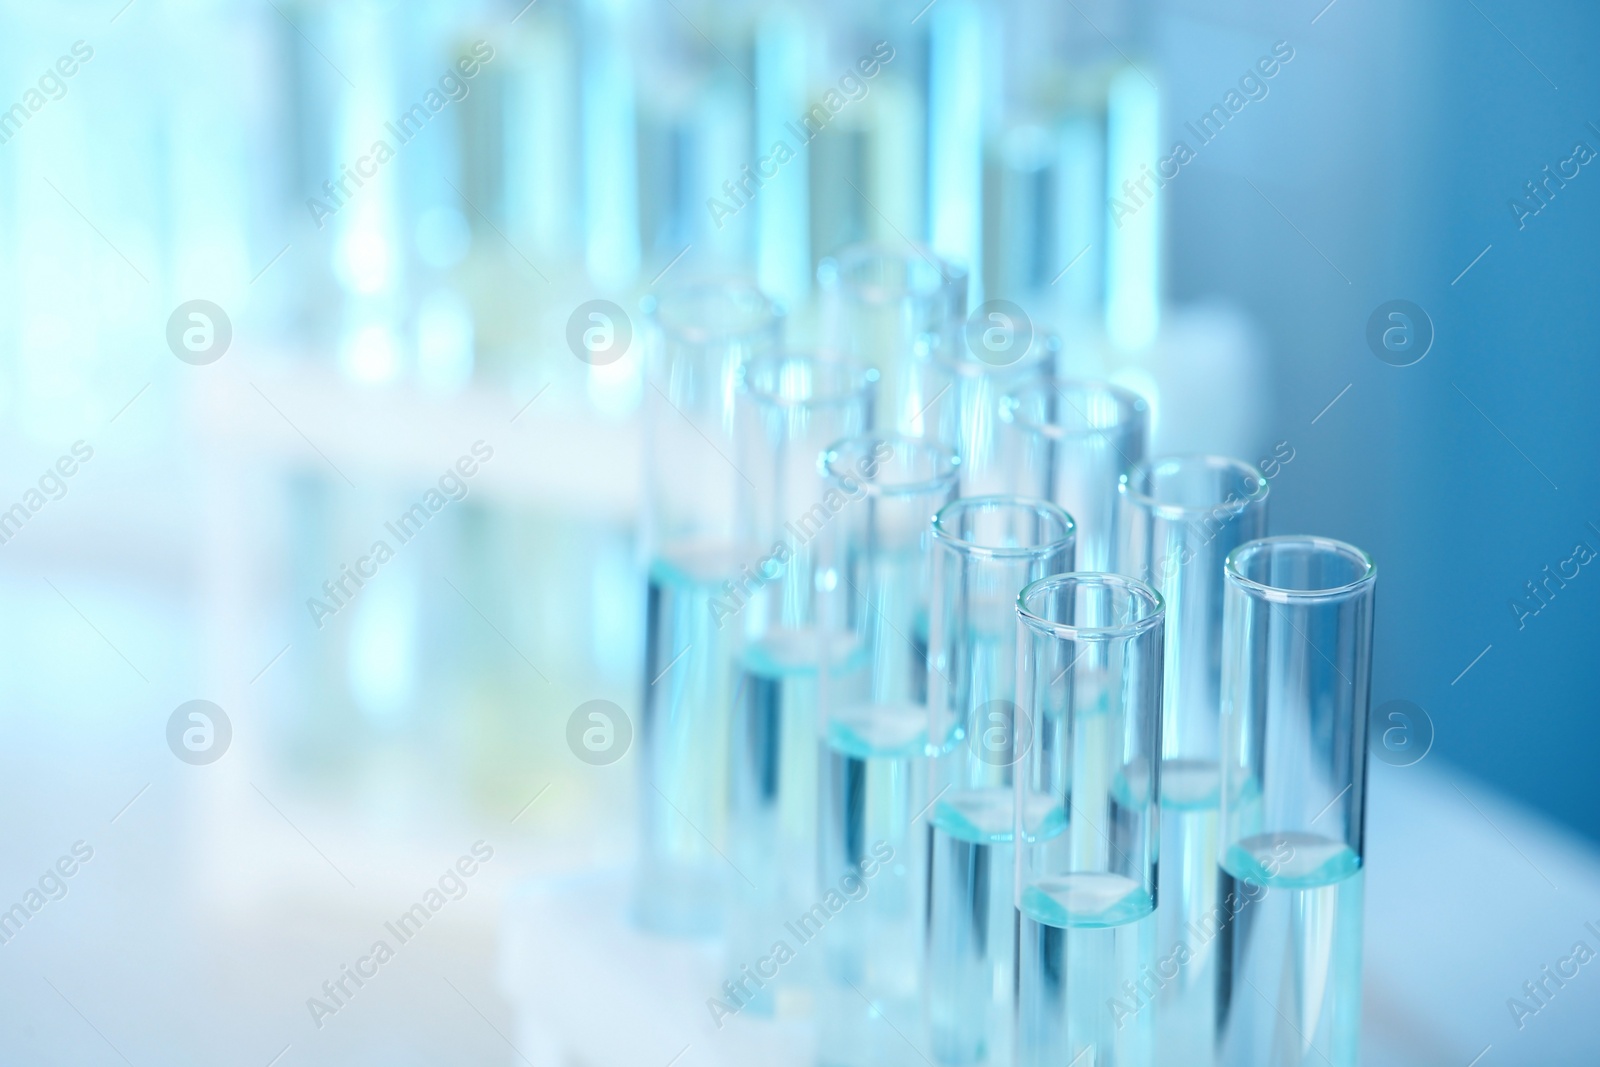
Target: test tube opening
1060	409
1000	526
1075	440
710	312
791	380
1299	569
880	274
1085	606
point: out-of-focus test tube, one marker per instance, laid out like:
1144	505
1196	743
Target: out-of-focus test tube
699	338
791	407
895	310
1296	680
1077	439
874	745
970	382
609	125
1089	674
985	550
1180	517
958	63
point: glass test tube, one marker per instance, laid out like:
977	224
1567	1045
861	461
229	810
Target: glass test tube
969	385
894	309
1296	680
1076	440
986	549
698	338
1089	671
874	745
791	407
1180	517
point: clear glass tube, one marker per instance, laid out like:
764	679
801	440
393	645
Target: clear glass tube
1180	517
874	745
965	412
986	549
698	337
894	308
791	407
1090	674
1296	681
1077	439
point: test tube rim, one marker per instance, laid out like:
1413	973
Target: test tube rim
1044	351
864	380
1130	405
1282	595
831	273
1140	591
948	465
1160	509
765	315
1055	512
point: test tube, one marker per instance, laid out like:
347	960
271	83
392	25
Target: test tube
1180	517
1089	670
894	309
1076	440
874	746
1296	681
791	407
970	381
698	338
985	550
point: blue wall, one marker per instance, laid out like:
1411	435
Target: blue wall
1390	149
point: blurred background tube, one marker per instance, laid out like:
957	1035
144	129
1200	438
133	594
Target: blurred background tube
611	204
784	262
958	48
1133	238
